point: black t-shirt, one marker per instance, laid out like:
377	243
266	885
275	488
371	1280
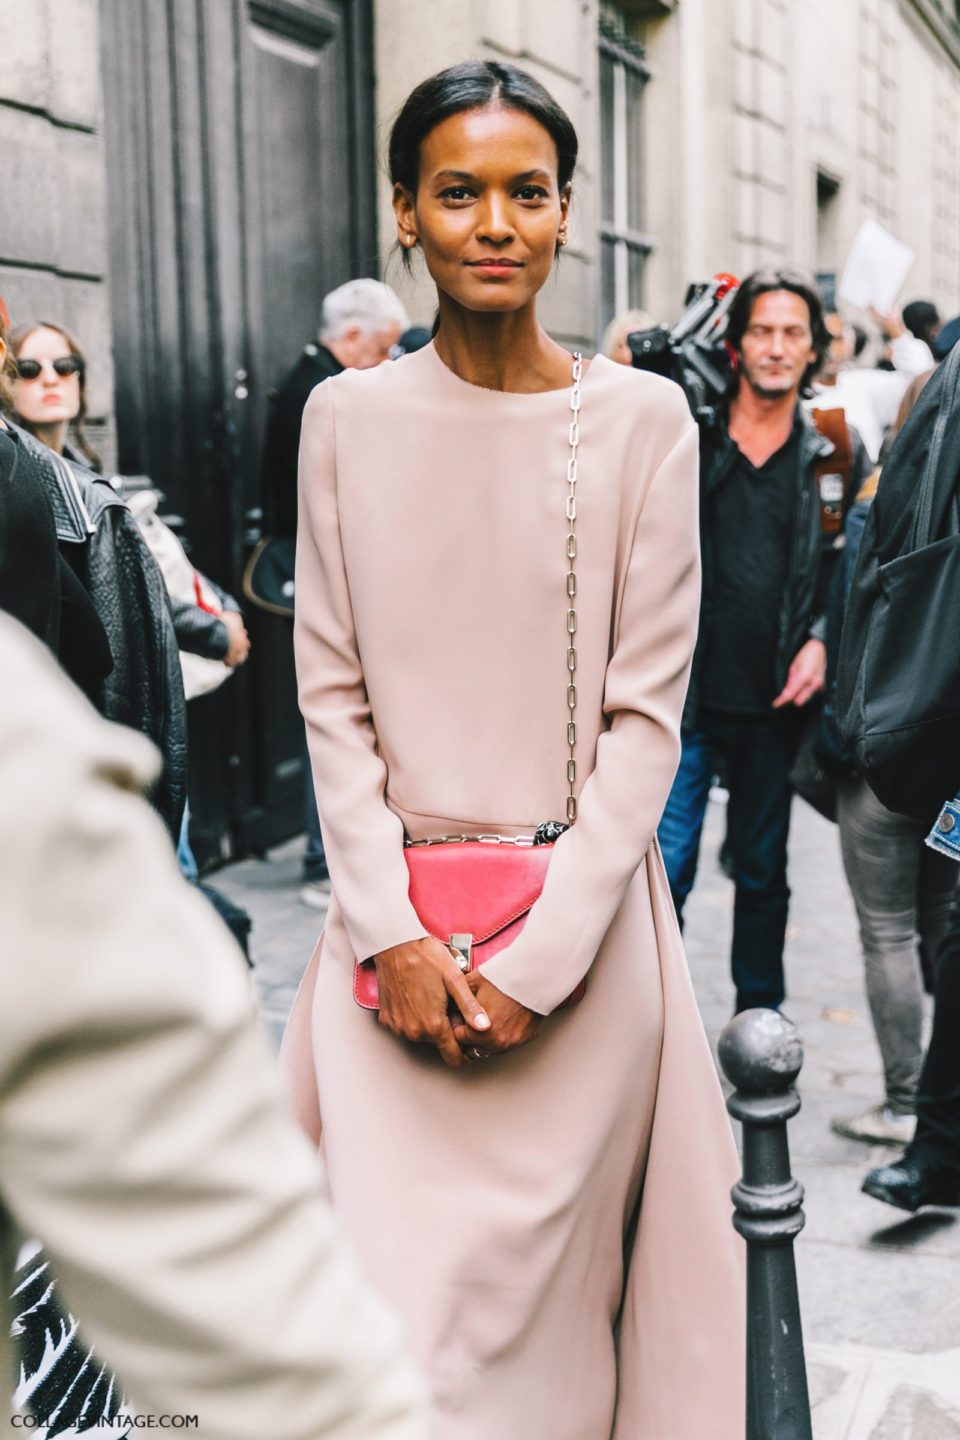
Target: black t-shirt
282	444
749	526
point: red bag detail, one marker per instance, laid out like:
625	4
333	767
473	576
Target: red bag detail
484	890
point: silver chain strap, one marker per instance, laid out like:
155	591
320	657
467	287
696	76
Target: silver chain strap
572	591
571	513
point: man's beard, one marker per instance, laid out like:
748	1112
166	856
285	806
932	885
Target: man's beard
767	392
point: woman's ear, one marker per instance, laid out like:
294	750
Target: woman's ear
562	236
405	211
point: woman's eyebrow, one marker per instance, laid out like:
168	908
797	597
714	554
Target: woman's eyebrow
467	177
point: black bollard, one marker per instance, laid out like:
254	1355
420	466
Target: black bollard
761	1055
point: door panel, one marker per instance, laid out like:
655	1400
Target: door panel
244	130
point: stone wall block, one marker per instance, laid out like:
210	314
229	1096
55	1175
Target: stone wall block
30	294
559	305
771	154
85	311
771	91
27	144
744	209
771	217
743	143
82	198
744	80
24	46
772	28
744	30
552	32
501	25
75	62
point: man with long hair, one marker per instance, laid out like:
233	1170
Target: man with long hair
760	655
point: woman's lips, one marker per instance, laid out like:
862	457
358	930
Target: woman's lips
496	267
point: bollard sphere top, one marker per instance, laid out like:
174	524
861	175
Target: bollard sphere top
761	1052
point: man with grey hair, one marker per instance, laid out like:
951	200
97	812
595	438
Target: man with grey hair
360	323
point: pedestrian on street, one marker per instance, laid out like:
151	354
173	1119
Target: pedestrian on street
50	390
140	684
760	656
896	706
532	1155
360	324
928	1173
870	398
143	1137
614	342
37	586
902	890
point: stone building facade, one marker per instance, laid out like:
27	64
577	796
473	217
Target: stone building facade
54	254
182	181
796	121
718	134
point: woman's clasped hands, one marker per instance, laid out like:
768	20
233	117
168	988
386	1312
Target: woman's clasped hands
425	998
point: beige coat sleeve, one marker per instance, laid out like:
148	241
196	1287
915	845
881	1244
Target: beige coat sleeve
637	755
143	1137
362	837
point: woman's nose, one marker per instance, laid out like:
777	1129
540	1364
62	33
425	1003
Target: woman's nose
495	221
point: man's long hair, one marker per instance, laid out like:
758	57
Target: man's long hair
762	282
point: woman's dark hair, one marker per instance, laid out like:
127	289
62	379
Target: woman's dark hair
474	85
18	338
8	370
762	282
922	318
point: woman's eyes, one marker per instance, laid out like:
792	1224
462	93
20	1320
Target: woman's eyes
459	193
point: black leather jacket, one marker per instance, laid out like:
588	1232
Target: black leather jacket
100	539
811	559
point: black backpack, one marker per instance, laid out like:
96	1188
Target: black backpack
898	678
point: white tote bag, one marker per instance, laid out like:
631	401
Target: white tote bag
185	584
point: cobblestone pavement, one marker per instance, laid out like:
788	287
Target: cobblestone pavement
880	1292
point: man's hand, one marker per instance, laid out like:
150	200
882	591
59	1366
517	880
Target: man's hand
807	675
239	647
511	1024
891	324
418	982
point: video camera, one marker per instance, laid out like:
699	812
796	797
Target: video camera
693	353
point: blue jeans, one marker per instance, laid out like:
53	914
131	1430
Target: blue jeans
185	855
314	856
755	754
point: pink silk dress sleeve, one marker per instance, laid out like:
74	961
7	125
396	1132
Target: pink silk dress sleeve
637	755
362	836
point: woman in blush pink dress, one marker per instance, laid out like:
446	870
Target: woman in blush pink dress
541	1190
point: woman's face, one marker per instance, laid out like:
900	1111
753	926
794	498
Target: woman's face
49	397
488	210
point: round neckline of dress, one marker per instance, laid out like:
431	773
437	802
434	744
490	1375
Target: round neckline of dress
510	394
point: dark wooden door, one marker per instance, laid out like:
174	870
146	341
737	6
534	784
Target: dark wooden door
242	174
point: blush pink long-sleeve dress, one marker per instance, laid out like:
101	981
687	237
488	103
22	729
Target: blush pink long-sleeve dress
553	1225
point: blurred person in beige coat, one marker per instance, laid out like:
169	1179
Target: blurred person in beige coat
142	1133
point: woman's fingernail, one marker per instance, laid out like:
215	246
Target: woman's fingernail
482	1020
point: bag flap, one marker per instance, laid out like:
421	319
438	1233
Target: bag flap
474	888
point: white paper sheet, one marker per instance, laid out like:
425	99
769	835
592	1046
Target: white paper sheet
876	268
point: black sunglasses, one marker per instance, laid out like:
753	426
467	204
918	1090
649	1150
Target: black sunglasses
63	365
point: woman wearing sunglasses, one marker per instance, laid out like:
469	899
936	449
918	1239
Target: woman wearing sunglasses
50	391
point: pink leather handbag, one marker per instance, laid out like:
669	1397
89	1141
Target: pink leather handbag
474	892
472	895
